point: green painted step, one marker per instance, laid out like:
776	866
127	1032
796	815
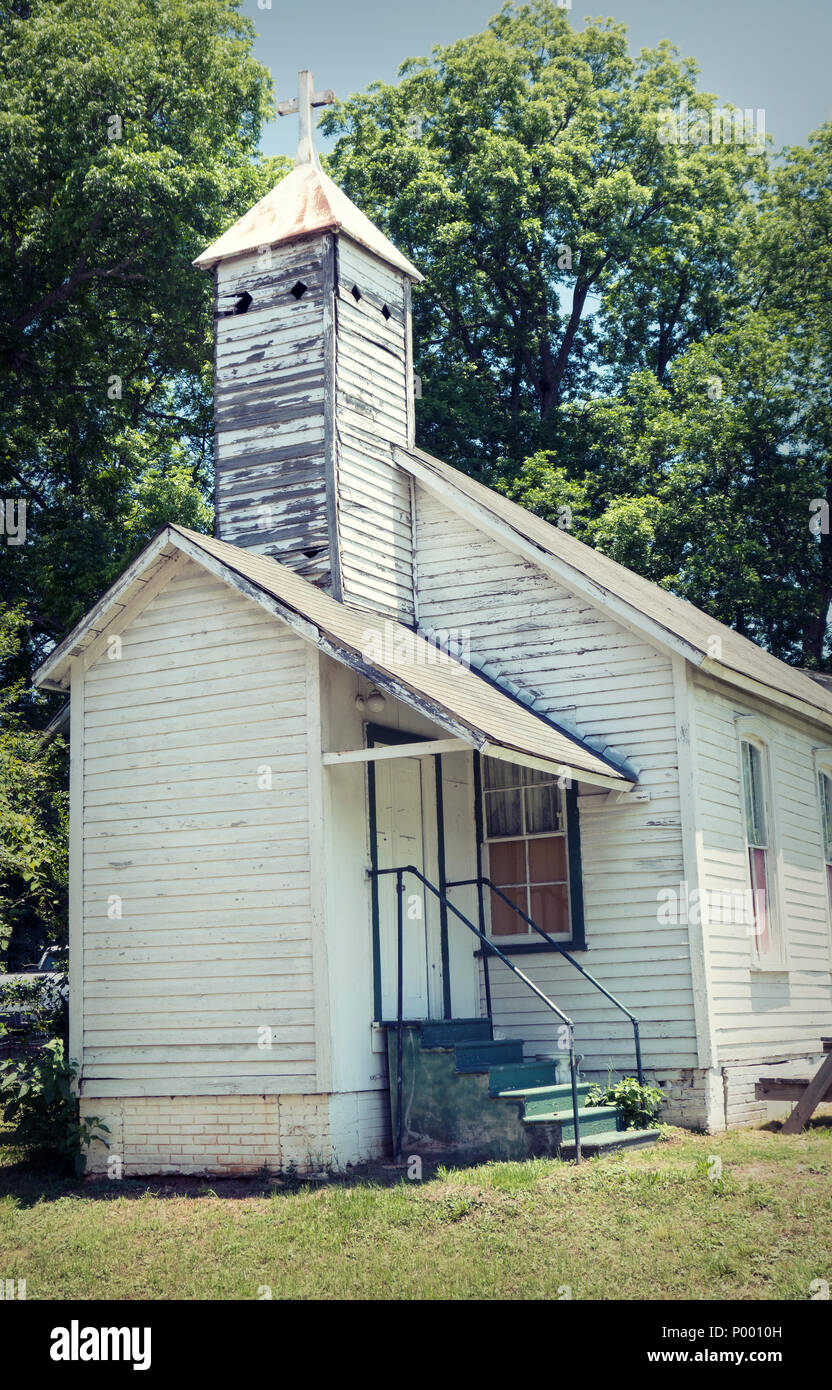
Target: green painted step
548	1100
448	1032
593	1119
608	1143
521	1076
482	1056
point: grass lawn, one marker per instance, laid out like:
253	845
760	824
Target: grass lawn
641	1225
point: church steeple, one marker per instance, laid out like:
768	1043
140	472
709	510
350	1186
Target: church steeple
313	383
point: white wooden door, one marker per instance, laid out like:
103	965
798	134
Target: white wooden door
406	833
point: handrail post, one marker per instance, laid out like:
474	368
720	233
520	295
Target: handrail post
481	880
574	1078
399	1009
486	974
639	1067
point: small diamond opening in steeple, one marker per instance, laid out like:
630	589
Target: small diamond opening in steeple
385	311
356	293
298	289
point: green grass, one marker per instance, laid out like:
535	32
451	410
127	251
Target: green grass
649	1224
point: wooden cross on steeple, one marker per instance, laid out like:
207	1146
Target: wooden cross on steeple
303	103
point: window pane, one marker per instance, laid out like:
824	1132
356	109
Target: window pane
550	909
505	922
542	809
547	860
754	787
826	807
759	888
498	773
503	813
747	793
531	775
507	862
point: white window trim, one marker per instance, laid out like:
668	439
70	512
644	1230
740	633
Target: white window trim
822	760
528	937
753	729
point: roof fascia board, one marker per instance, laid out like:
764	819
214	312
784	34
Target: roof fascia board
162	575
725	675
632	618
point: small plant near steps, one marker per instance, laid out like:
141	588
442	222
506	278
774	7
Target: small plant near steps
639	1104
474	1097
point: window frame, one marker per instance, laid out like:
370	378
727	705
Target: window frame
758	733
823	768
530	941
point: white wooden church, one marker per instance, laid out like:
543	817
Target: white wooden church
398	815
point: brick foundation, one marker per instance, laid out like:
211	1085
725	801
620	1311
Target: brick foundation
233	1135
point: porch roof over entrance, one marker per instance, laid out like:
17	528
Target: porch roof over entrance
396	659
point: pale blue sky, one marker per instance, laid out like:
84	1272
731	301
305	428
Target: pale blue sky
774	54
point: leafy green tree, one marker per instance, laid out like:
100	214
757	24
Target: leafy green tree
129	132
634	330
564	239
33	819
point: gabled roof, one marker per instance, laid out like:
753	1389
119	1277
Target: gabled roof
393	656
305	202
688	629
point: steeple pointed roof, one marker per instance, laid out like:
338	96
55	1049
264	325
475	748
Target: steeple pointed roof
304	202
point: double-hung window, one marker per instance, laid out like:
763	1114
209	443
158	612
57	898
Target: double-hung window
825	792
525	821
755	776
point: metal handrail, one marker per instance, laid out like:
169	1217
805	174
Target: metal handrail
482	880
411	869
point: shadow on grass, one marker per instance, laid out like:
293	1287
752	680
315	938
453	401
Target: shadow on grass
35	1176
30	1177
818	1122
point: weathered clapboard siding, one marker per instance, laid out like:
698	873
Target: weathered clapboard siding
212	870
618	691
272	387
762	1014
372	413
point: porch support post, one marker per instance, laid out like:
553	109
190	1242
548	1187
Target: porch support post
378	1007
399	1009
447	1011
478	831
